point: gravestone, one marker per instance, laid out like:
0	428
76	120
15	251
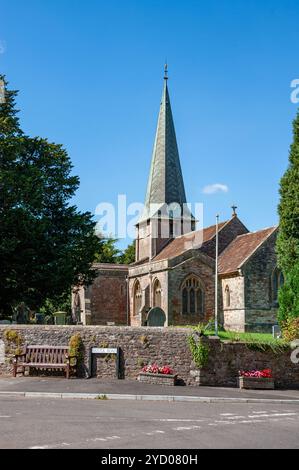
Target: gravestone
156	317
276	331
40	318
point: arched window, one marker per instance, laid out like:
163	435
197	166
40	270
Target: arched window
227	296
200	301
277	282
192	296
157	293
192	300
137	297
185	300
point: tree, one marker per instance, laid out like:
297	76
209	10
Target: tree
288	237
107	251
289	296
128	255
288	209
46	244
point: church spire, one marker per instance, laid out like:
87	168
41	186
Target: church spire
165	71
165	183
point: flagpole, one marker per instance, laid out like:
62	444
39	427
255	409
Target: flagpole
216	278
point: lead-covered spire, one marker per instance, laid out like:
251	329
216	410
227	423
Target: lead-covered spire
165	183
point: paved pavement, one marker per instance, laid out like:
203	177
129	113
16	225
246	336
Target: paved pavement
133	387
105	424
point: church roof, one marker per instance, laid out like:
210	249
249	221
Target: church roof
241	249
165	183
183	243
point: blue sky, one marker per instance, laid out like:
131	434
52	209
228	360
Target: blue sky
90	77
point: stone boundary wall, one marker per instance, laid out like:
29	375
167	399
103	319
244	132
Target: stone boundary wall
165	346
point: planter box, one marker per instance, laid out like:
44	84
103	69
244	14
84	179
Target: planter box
158	379
261	383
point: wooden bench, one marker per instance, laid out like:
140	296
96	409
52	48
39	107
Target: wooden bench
44	357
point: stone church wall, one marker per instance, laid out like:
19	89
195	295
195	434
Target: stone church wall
226	235
234	314
251	308
261	312
143	241
184	267
146	279
107	296
141	346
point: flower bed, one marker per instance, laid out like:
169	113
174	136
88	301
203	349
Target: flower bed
154	374
256	379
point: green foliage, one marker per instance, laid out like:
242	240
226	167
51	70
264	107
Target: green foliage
77	350
289	296
288	209
290	329
128	255
12	336
107	251
275	347
199	350
60	304
14	341
46	244
288	237
9	122
102	397
256	341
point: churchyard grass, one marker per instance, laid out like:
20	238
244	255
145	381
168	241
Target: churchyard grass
261	339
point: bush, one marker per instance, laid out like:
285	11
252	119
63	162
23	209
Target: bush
290	329
14	342
77	350
199	350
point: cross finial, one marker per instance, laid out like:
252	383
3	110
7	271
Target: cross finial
165	71
234	207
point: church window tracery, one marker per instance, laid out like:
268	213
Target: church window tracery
192	296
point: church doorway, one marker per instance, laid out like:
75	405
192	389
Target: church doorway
156	317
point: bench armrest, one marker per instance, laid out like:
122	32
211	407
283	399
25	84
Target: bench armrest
17	356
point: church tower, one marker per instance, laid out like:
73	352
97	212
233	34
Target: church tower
166	214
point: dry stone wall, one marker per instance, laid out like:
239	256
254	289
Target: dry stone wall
165	346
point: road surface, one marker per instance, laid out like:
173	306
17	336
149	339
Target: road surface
120	424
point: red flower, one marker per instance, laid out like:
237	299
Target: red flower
265	373
155	369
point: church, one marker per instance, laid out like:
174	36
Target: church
172	281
